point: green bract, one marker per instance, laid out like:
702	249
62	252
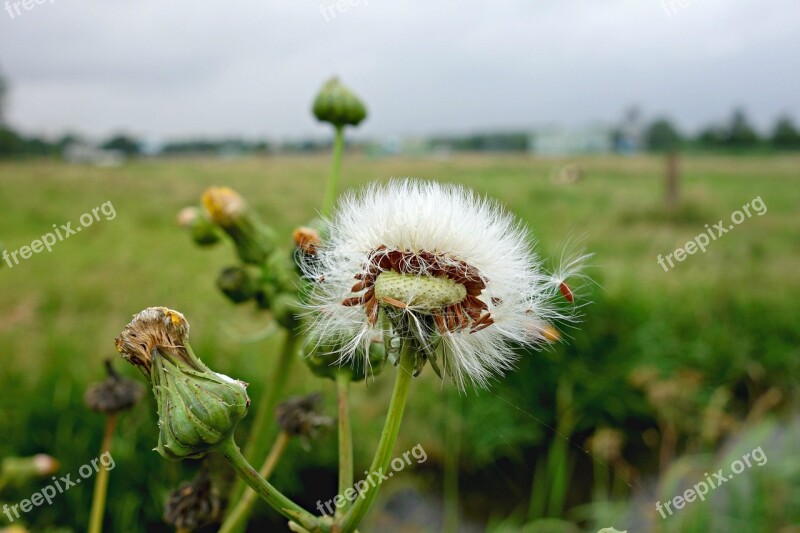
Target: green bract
336	104
197	408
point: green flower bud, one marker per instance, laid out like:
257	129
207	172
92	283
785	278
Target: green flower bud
197	408
237	284
337	105
253	240
323	360
202	230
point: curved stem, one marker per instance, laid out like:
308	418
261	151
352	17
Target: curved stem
101	484
345	433
237	518
391	427
275	498
336	167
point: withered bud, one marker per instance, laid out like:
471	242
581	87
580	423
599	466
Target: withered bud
224	205
194	504
299	416
306	240
198	409
155	327
253	240
113	395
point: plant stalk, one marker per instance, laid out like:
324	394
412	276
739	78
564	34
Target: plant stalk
336	166
101	484
345	434
391	428
237	519
275	498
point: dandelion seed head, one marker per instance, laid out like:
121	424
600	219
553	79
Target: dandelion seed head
456	269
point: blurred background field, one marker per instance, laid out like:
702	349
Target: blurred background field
688	367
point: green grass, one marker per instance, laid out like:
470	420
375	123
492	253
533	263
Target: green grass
730	313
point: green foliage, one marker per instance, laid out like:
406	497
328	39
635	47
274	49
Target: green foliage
785	135
729	315
123	143
662	136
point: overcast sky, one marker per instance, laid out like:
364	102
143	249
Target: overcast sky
165	69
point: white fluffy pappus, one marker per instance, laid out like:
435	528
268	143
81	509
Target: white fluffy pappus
457	267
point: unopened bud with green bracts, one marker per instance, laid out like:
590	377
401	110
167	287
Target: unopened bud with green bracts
237	284
197	408
337	105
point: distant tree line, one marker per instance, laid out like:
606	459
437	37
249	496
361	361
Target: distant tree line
736	135
661	135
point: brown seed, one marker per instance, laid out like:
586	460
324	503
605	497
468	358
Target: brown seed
372	310
486	322
358	287
440	325
392	301
566	292
352	302
477	302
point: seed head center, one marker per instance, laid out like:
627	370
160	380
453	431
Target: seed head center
425	293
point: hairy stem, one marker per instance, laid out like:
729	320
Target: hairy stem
391	428
345	433
336	166
101	483
238	517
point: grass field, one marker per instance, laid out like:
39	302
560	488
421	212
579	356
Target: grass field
730	314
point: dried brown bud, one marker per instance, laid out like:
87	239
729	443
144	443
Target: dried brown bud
155	327
299	416
193	505
306	240
114	394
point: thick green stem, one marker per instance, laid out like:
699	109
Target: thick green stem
101	483
391	427
275	498
345	433
336	166
237	519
